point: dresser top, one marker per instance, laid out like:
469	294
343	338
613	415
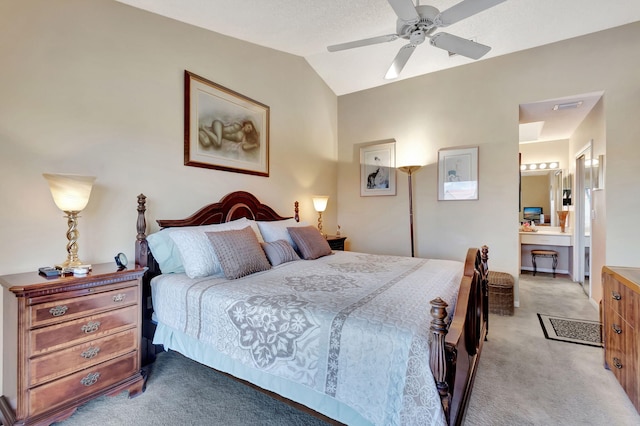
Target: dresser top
28	282
628	276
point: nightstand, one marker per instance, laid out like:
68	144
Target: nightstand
77	338
335	242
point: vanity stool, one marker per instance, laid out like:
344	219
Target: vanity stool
500	286
544	253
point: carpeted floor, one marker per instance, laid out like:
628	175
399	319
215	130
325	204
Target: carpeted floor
523	379
182	392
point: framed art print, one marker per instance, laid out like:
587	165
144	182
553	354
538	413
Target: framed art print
458	174
224	130
377	169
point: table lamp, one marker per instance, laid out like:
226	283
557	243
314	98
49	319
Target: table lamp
320	205
71	195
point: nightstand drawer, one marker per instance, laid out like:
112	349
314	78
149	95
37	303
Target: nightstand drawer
82	383
68	309
82	330
67	361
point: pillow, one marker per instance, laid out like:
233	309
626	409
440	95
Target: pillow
254	226
279	251
277	230
311	243
165	252
196	253
239	252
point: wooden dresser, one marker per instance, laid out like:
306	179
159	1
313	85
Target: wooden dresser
621	326
77	338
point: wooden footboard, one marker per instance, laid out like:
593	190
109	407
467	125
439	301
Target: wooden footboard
455	347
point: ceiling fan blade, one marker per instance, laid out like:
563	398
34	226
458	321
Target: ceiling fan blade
405	9
400	61
364	42
459	45
463	10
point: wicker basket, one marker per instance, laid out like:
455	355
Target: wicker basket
500	293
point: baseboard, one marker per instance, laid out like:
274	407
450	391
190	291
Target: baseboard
548	270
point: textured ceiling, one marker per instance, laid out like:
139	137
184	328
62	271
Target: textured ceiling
305	28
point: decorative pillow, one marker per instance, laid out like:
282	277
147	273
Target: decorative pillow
277	230
239	252
279	251
311	243
196	253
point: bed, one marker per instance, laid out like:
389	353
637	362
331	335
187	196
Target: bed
346	336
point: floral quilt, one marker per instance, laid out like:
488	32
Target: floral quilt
351	326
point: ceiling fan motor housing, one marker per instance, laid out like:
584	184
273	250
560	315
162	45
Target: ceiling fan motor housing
426	25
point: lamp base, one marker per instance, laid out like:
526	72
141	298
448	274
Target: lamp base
70	265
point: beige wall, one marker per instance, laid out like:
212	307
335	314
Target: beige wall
96	87
477	104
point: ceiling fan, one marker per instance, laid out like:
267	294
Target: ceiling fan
416	23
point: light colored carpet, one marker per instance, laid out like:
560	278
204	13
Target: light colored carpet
523	379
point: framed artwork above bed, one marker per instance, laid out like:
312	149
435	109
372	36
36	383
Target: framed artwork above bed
223	129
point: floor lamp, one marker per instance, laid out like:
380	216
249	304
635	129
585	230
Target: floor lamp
410	170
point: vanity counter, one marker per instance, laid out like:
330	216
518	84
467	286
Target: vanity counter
550	237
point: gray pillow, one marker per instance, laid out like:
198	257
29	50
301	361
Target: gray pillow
311	244
279	251
239	252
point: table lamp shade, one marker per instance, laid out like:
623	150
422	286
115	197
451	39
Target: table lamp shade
320	202
70	192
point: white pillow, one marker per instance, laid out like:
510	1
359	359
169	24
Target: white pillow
256	229
198	257
277	230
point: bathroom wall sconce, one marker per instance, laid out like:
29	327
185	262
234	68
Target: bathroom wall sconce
320	205
71	195
548	165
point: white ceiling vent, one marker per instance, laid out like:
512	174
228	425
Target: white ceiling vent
567	105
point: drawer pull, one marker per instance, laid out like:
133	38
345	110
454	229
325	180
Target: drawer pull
90	352
617	363
617	329
90	379
91	326
119	297
58	311
615	295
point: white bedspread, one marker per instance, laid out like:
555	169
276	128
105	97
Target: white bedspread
344	334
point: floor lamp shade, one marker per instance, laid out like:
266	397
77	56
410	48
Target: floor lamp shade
71	194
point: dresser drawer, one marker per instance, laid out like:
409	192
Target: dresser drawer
68	309
82	383
67	361
620	352
620	299
58	336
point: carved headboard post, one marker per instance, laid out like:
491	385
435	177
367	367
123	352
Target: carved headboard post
142	247
296	211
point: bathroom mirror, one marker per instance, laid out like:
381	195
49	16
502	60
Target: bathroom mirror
549	190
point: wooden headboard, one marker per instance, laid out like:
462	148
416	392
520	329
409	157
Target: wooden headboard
234	205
